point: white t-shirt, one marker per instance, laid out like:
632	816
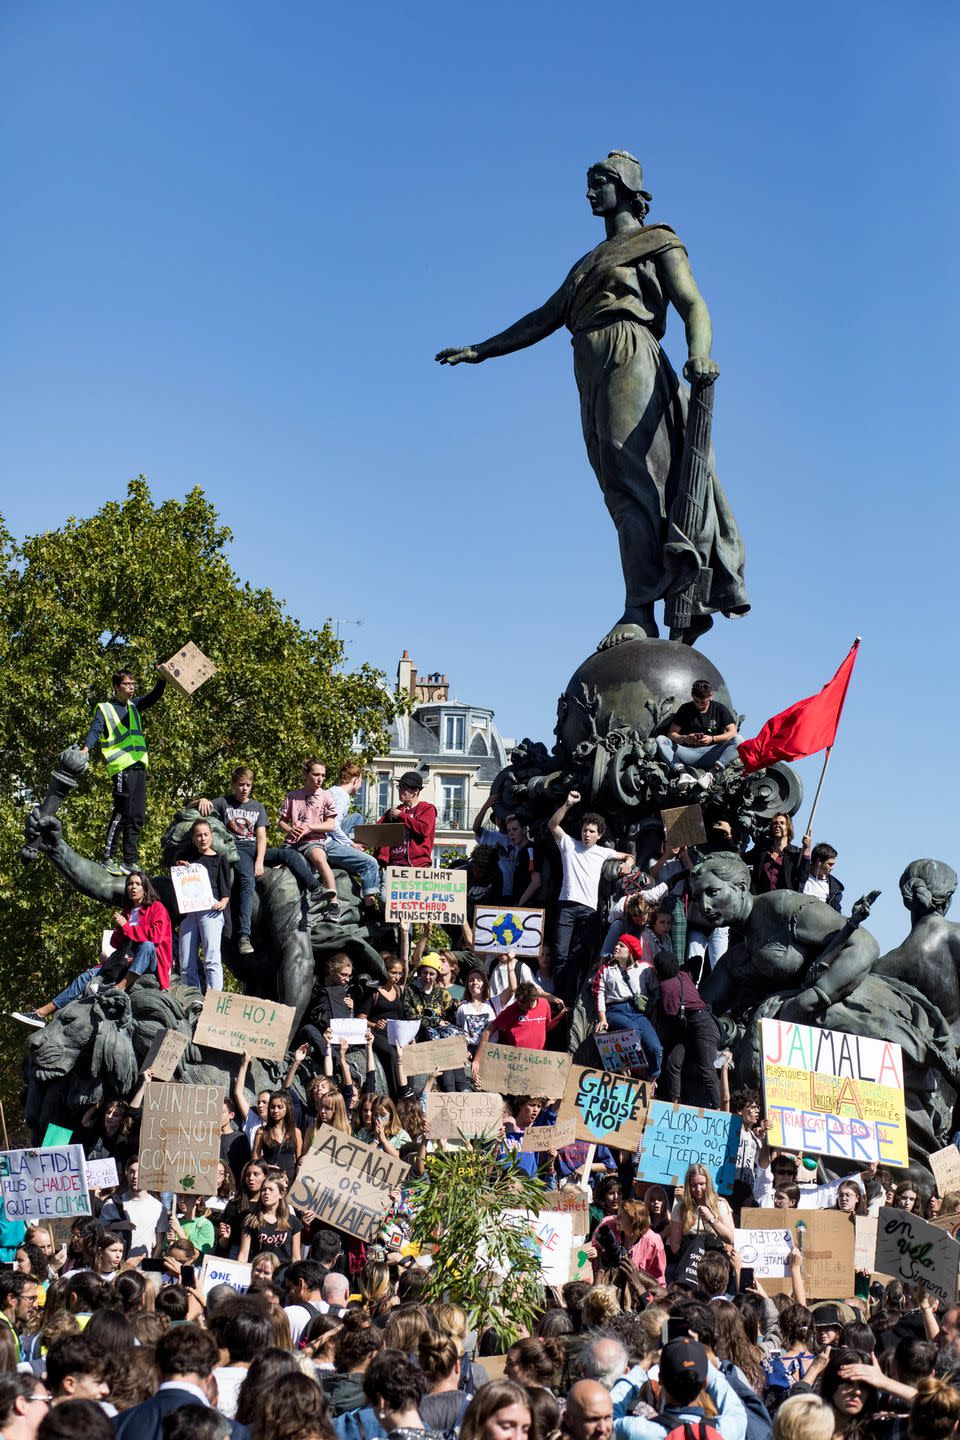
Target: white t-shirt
300	1317
819	889
147	1215
582	868
229	1378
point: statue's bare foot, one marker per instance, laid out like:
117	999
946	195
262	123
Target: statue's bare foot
629	630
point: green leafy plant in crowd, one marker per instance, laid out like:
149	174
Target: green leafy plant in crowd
481	1261
127	587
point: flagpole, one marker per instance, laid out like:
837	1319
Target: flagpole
823	773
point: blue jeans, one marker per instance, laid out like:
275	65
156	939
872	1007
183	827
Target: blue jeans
355	862
699	757
306	877
205	928
143	962
623	1017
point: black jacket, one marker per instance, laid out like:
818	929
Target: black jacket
145	1422
796	868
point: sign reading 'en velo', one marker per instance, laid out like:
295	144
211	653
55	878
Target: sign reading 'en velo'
831	1093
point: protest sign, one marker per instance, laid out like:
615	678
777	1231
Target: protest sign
569	1200
497	930
191	885
683	825
549	1137
765	1252
620	1050
102	1174
510	1070
56	1135
447	1054
865	1243
581	1266
917	1253
830	1093
244	1023
945	1165
439	896
353	1031
188	669
375	837
165	1054
347	1182
828	1245
609	1109
215	1271
464	1112
678	1136
45	1184
950	1223
551	1235
180	1138
403	1030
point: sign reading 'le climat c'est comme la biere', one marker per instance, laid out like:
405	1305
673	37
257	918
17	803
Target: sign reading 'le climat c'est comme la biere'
831	1093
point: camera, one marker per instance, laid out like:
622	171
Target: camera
612	1252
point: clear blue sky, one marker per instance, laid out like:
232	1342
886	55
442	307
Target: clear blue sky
235	235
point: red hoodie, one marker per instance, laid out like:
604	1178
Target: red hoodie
154	925
417	849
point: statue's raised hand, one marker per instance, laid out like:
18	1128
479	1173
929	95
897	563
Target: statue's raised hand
701	367
458	355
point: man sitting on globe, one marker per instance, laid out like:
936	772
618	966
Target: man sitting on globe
701	737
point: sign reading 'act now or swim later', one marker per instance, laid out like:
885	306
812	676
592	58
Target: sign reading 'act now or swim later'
830	1093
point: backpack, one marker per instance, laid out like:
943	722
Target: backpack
685	1429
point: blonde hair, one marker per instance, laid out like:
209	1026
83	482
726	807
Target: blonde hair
804	1417
935	1412
452	1319
599	1305
340	1121
689	1209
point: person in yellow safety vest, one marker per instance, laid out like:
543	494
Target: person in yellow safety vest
119	729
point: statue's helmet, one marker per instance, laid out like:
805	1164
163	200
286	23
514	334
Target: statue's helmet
628	170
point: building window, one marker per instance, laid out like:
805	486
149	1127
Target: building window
453	808
448	855
383	792
454	732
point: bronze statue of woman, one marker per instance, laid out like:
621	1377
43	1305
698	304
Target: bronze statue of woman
633	408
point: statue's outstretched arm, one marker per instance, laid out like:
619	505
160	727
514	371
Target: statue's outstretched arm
533	327
684	296
84	875
849	965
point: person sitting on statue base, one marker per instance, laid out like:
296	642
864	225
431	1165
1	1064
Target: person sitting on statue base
701	737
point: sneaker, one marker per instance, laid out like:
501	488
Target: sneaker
705	780
332	912
330	895
686	782
245	946
126	869
113	867
29	1017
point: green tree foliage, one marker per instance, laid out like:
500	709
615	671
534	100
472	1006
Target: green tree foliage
482	1262
127	587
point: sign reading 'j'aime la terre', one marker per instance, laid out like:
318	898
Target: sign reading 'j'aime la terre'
831	1093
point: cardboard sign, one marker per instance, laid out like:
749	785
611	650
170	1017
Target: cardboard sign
446	1054
375	837
830	1093
551	1235
215	1271
165	1054
493	1366
509	1070
581	1266
549	1137
829	1242
683	825
865	1243
347	1183
916	1252
609	1109
180	1138
188	669
945	1165
244	1023
102	1174
463	1113
353	1031
191	885
497	930
678	1136
620	1050
45	1184
766	1252
439	896
569	1200
950	1223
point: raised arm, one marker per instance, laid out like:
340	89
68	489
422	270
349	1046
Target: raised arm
528	331
555	823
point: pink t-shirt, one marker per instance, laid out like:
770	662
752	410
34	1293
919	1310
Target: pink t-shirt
301	807
648	1253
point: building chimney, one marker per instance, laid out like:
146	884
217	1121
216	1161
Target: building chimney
406	675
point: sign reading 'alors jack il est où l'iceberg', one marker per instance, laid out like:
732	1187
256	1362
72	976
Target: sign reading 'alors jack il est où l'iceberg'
831	1093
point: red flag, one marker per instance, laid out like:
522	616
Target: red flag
806	727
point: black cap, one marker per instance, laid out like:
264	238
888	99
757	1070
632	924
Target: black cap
683	1369
411	780
827	1317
